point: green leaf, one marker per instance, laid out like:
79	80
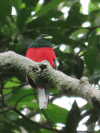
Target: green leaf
10	84
87	106
8	30
16	3
30	3
9	127
27	125
18	94
38	7
75	11
5	91
95	1
94	116
5	10
23	15
48	7
73	118
54	90
15	79
28	104
75	34
13	83
92	52
92	7
46	131
56	114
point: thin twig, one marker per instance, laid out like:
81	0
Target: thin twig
36	123
5	111
2	100
21	99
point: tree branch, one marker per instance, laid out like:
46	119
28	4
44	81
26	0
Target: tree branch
44	73
36	123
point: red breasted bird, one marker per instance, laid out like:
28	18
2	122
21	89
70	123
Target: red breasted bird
39	50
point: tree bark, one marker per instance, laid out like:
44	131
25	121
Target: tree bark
43	72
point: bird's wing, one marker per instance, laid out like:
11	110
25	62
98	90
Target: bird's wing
55	63
33	85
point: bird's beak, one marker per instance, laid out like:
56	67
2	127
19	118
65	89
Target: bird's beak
48	37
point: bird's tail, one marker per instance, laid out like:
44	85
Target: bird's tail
43	93
43	97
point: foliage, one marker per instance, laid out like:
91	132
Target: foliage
18	31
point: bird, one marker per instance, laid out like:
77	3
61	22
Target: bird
39	50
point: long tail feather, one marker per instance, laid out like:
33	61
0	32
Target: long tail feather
43	96
47	91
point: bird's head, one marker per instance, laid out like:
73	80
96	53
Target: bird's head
43	40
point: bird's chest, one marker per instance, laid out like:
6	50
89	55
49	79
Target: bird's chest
40	54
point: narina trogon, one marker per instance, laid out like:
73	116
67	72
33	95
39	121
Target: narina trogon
41	49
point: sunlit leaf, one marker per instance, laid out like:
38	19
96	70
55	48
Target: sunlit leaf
48	7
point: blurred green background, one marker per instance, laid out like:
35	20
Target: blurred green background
76	41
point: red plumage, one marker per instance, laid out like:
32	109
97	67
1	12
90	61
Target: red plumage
40	54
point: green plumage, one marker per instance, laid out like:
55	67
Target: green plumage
40	41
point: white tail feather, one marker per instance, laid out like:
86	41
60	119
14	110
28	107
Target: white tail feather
42	97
